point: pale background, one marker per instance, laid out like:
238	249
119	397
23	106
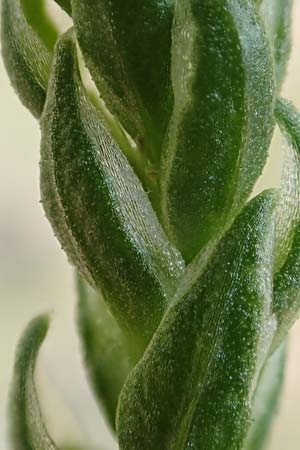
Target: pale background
35	277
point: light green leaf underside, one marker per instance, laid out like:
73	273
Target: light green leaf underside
37	17
66	5
218	138
98	208
26	52
193	387
27	429
130	62
106	354
277	15
266	400
286	302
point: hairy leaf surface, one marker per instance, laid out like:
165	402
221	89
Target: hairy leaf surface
287	278
126	46
193	387
26	50
106	353
222	121
266	400
27	428
277	15
98	208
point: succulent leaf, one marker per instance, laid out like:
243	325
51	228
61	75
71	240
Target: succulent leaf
98	208
286	301
194	384
222	120
277	16
126	46
27	428
266	399
107	357
26	50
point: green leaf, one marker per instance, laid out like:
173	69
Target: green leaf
27	428
26	43
105	349
222	121
288	213
193	387
98	208
286	301
37	18
126	46
277	15
266	400
65	5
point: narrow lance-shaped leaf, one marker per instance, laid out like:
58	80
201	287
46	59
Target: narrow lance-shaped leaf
37	17
105	349
193	387
27	428
286	301
98	208
27	51
288	213
126	46
222	120
266	400
277	15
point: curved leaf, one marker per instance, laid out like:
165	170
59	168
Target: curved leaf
193	387
98	208
36	16
286	301
27	428
105	349
277	15
26	51
126	46
266	400
222	121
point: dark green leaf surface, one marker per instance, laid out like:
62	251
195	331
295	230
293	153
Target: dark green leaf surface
26	55
66	5
26	427
98	208
126	46
105	349
287	279
193	387
266	400
277	15
222	121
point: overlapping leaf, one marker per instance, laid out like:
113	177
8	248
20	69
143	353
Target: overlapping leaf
106	353
98	208
193	387
277	16
27	428
287	277
222	121
26	49
126	46
266	400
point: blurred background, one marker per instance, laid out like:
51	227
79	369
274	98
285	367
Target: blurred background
35	277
